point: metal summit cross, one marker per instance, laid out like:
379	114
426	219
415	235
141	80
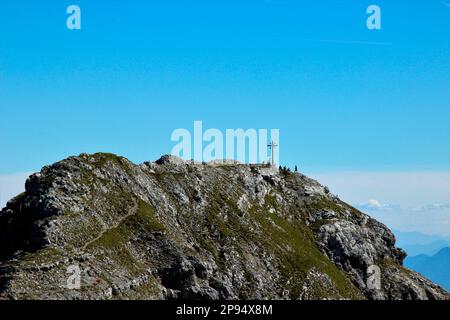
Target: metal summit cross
272	147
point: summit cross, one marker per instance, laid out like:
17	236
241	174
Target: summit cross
272	147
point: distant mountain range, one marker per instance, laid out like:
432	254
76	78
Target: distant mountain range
416	243
427	254
436	267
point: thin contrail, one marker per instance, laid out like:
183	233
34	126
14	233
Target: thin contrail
350	42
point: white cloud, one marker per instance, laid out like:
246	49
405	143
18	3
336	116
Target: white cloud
407	189
375	205
11	185
406	201
426	220
434	206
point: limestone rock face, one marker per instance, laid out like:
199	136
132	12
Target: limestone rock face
100	227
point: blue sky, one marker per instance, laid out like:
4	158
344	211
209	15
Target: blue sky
344	98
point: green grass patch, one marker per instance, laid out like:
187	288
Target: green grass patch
324	203
292	243
115	239
144	220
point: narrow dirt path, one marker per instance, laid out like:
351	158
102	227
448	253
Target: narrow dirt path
130	213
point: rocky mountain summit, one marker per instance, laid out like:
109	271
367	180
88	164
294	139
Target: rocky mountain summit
172	229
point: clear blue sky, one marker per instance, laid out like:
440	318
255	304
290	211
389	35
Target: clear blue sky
341	95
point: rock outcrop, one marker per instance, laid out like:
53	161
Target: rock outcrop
100	227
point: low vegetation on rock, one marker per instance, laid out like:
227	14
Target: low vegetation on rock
174	229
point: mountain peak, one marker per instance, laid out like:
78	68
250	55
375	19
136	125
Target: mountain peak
444	252
180	229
